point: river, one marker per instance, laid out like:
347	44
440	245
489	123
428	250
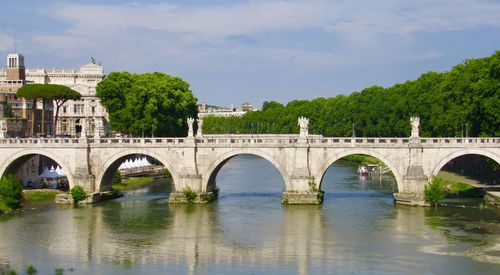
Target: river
358	229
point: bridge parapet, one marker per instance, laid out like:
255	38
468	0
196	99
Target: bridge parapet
495	142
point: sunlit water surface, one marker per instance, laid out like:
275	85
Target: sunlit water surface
358	229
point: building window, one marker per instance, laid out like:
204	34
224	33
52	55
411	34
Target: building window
93	109
78	108
64	109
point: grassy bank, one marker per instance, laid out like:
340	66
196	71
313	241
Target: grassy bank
364	158
3	207
42	195
132	183
454	184
455	188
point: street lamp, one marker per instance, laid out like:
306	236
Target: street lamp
142	127
353	132
152	131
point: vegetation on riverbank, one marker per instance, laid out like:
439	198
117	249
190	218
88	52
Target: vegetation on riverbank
40	195
78	194
466	97
364	159
11	193
132	183
439	188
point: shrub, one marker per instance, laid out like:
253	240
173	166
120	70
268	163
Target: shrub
190	194
31	270
11	191
117	178
59	271
78	194
433	192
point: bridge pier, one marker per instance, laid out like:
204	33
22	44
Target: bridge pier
414	183
304	190
415	180
189	190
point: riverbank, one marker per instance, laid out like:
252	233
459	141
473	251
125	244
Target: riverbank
33	199
129	184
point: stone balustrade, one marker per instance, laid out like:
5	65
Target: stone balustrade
232	140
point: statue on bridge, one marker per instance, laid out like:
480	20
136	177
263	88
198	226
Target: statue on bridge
83	124
190	121
3	128
199	133
415	123
303	123
97	128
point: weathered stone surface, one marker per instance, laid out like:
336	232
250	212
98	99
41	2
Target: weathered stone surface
411	199
180	197
92	198
492	199
64	199
302	197
300	160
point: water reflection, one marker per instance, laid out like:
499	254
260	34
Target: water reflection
358	229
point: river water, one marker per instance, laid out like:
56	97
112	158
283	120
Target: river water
358	229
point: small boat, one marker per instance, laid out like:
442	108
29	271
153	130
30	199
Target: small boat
362	170
368	169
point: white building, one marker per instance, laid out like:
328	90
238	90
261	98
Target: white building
86	112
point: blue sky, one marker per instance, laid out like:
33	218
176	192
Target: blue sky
236	51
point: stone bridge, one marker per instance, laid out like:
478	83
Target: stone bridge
302	159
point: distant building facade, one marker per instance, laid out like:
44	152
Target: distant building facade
205	110
26	118
75	116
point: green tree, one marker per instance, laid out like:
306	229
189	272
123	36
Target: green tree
147	102
11	191
7	110
468	95
78	194
58	94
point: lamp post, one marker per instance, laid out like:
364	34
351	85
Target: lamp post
152	131
353	132
142	127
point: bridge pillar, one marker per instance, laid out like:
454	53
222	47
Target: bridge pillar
188	186
414	181
302	188
82	175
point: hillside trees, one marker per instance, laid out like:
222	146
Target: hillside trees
467	96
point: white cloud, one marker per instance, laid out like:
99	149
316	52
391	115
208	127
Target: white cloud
6	42
364	21
211	21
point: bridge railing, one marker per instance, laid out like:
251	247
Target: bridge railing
357	140
460	140
247	139
251	139
159	141
40	141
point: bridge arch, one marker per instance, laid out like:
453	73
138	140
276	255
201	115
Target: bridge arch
208	184
360	151
27	152
107	171
462	152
